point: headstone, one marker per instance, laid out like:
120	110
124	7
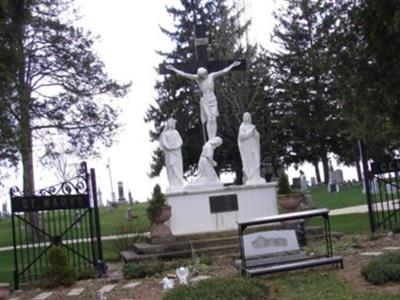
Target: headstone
4	210
374	186
303	183
121	196
77	216
99	198
129	215
339	176
333	186
391	188
199	278
296	183
130	198
313	181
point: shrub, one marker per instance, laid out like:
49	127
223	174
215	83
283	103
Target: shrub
156	202
232	288
88	273
58	272
142	269
283	184
385	268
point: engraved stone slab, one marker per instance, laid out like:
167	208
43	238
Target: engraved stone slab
199	278
75	292
223	203
107	288
131	285
270	242
43	296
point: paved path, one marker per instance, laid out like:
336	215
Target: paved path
104	238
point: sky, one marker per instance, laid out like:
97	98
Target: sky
129	36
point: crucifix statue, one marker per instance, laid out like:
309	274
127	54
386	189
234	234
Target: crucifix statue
204	72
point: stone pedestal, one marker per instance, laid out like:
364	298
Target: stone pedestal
219	208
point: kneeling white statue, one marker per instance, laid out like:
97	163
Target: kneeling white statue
249	147
206	175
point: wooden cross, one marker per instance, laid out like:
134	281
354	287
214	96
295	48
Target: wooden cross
200	44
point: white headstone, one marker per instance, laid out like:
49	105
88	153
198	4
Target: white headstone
313	181
75	292
339	176
43	296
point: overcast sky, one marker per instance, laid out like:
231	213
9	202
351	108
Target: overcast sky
129	36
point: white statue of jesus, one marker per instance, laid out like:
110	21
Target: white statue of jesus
208	101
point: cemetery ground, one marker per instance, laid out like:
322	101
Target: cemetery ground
315	283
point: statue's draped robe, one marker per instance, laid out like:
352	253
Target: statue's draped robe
171	143
249	147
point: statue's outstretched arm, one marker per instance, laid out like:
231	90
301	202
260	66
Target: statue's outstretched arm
181	73
227	69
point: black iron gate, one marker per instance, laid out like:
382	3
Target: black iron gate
65	215
382	186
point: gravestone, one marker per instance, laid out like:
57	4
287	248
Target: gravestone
129	214
4	210
130	198
339	176
77	216
313	181
121	196
99	198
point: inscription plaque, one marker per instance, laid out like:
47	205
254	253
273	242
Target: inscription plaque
223	203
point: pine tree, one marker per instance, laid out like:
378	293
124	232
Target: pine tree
306	96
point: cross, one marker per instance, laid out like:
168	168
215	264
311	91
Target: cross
200	44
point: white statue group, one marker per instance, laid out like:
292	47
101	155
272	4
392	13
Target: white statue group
248	139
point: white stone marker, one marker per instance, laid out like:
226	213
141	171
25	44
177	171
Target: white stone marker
392	248
131	285
107	288
75	292
199	278
43	296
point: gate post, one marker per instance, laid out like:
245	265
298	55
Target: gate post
364	161
96	215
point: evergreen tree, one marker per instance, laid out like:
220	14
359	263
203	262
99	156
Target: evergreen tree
306	96
236	92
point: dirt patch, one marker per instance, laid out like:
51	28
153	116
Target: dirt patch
353	264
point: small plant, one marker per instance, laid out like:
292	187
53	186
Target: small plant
58	271
385	268
88	273
142	269
124	240
233	288
283	184
156	202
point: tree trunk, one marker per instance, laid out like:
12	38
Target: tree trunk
317	173
325	165
359	173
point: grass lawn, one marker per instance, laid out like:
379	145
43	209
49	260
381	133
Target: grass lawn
347	224
348	196
111	222
316	285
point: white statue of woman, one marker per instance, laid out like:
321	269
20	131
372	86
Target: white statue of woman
249	147
208	101
171	143
206	174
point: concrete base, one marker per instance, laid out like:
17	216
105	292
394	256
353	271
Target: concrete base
191	212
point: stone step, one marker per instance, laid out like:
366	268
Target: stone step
147	248
128	256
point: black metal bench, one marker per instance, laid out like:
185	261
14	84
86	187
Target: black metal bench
285	261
